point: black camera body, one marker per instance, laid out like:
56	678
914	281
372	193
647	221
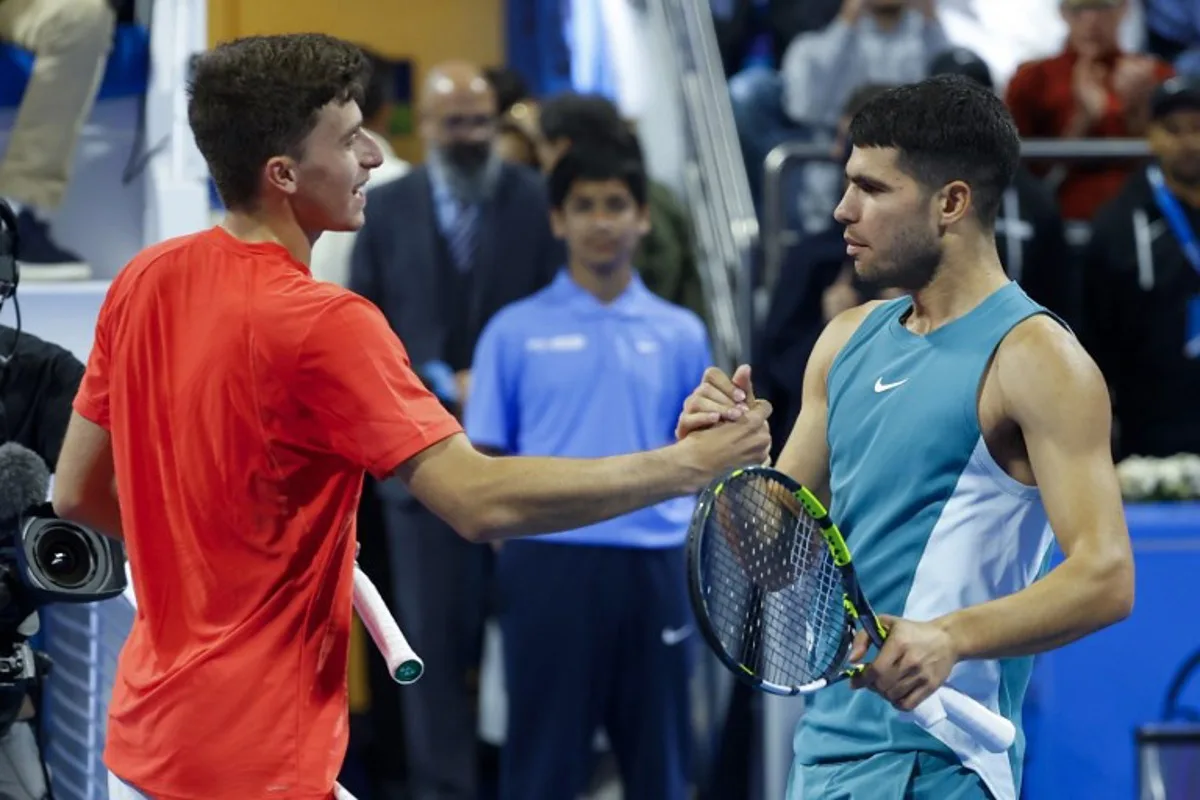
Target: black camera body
44	560
63	562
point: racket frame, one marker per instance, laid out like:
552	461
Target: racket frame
838	549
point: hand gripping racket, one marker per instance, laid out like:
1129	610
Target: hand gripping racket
776	597
403	662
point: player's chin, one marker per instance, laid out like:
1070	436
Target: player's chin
866	268
352	220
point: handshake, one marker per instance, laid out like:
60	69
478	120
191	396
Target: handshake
722	399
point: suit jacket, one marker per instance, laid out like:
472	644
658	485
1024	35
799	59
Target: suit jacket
398	253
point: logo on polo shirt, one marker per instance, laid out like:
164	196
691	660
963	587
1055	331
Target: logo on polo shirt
568	343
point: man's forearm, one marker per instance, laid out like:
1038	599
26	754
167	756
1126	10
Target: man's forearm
101	512
526	496
1077	598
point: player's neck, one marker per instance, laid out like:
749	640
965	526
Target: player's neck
963	281
604	286
263	226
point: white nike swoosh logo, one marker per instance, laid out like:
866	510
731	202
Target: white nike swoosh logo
673	636
880	386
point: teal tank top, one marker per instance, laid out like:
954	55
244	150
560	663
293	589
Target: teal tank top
934	524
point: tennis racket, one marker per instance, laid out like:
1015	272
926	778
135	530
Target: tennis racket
775	596
403	662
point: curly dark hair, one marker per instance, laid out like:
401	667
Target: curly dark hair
258	97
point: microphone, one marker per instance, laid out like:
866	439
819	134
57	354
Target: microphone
24	481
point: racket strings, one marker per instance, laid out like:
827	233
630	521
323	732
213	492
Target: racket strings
772	591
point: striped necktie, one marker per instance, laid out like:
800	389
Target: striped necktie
464	235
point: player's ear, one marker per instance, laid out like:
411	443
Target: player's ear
558	223
953	202
281	173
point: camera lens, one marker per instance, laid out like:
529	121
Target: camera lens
64	557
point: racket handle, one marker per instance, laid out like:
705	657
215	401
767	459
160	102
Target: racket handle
340	793
403	662
991	730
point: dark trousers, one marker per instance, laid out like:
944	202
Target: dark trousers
594	637
440	584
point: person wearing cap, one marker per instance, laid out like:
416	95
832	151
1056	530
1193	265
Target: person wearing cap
1142	285
1029	230
1091	90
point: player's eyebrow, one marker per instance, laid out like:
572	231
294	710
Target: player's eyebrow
865	182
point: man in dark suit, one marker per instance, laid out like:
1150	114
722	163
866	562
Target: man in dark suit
443	249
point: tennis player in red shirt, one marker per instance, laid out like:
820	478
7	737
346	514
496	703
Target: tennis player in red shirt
230	407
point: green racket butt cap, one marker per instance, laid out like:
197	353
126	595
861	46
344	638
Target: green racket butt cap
409	672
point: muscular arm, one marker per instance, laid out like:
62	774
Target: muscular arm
1055	393
805	456
85	486
488	498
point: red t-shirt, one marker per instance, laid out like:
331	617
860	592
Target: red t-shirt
244	400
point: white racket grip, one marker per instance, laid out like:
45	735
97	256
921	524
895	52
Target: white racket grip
403	662
991	730
340	793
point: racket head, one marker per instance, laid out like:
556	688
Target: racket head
766	591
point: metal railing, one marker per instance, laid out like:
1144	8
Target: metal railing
777	238
716	185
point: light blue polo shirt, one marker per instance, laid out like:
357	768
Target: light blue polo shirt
562	374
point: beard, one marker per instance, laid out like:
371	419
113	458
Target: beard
912	261
470	174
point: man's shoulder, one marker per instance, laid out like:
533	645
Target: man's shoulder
518	317
34	348
1039	344
522	181
1041	362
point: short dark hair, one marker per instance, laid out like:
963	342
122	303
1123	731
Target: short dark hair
381	85
254	98
510	88
946	128
863	95
580	118
618	159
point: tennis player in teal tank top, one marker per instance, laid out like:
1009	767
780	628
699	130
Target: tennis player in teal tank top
956	432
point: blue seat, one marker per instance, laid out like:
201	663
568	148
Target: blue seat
127	73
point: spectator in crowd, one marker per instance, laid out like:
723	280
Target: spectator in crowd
870	41
1142	285
516	138
594	365
1030	236
331	253
1173	33
70	40
666	257
473	236
738	21
1092	89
